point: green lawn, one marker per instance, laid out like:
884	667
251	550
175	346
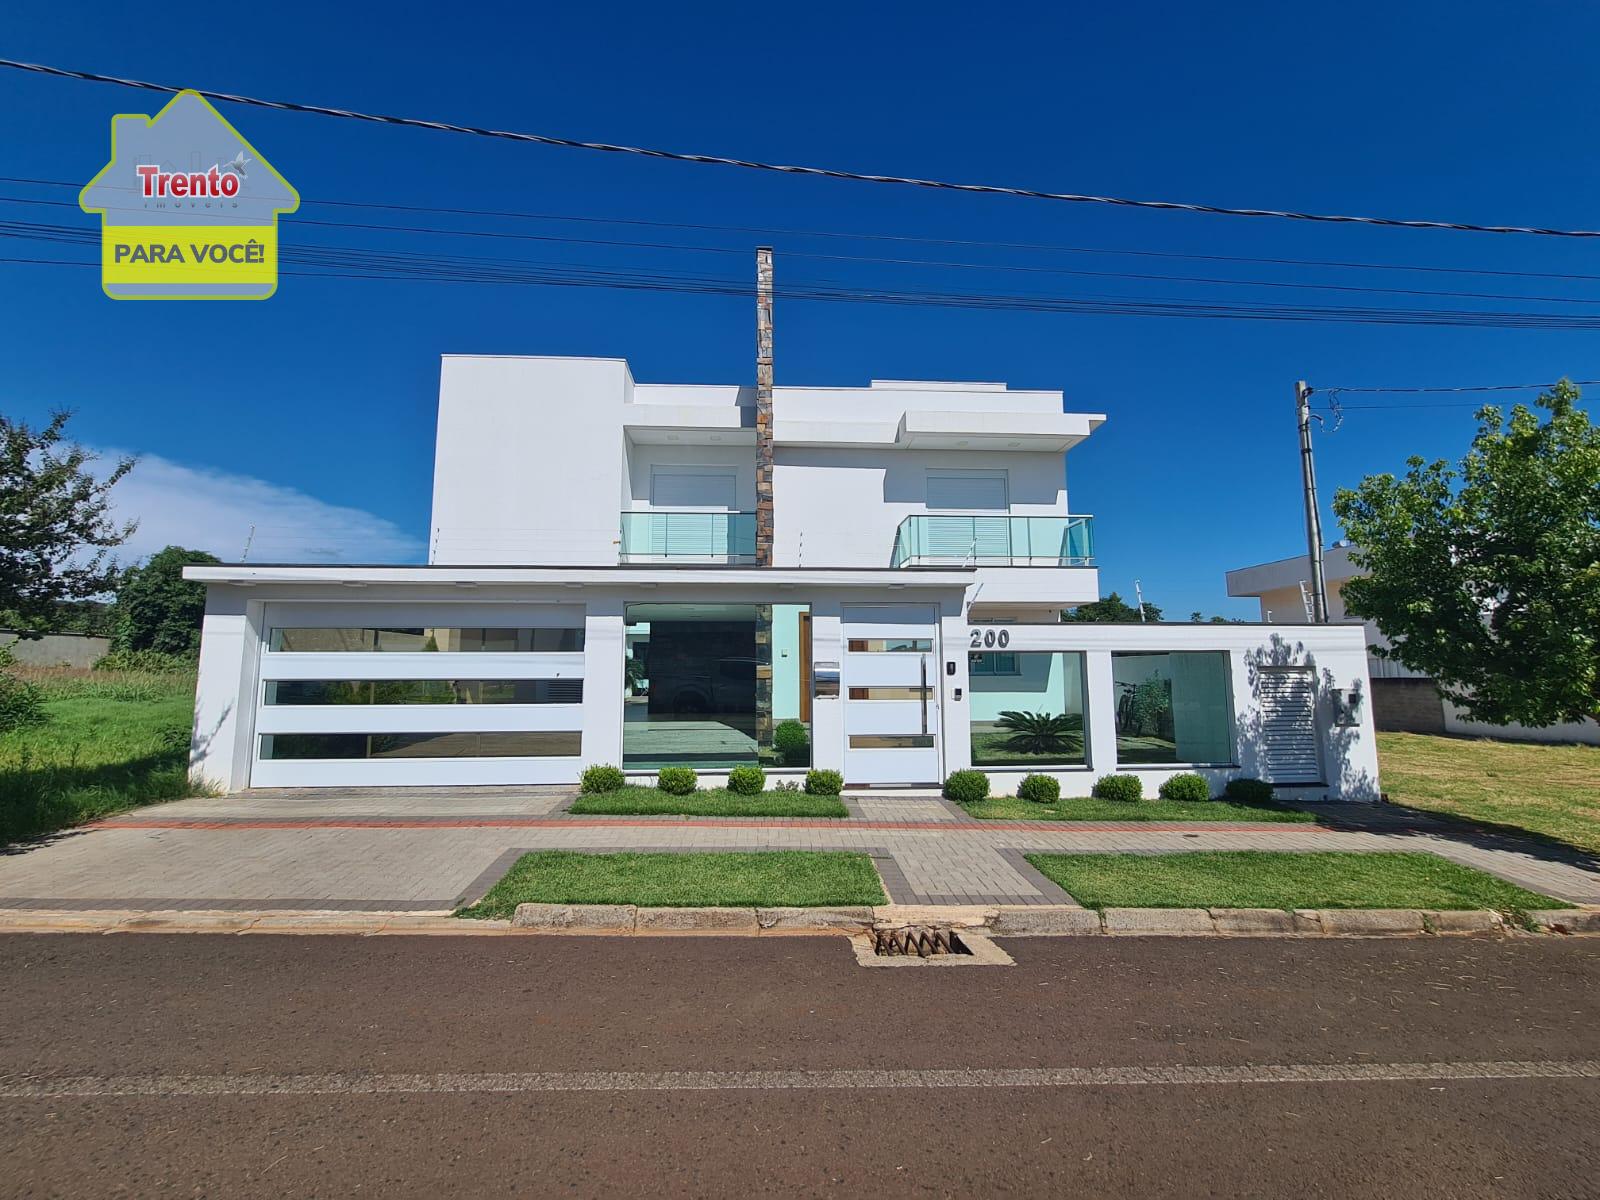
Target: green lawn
1086	808
708	802
771	878
1281	879
1553	791
114	740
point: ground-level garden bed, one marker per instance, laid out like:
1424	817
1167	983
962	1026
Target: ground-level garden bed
775	878
708	802
1282	879
1087	808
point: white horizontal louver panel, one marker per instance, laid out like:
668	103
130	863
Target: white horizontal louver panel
965	493
693	489
1288	727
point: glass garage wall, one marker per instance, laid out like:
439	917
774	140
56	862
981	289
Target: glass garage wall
1173	708
716	685
379	693
1027	709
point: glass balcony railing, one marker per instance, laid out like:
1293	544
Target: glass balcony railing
1005	541
715	537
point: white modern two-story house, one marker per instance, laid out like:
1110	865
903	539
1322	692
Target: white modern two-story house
861	578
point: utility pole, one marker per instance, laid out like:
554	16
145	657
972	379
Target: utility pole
764	514
1308	478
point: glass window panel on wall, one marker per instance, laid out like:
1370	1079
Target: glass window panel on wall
414	641
1027	709
1173	708
424	691
716	685
512	744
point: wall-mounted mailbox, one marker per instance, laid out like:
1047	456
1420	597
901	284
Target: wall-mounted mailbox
1347	706
825	680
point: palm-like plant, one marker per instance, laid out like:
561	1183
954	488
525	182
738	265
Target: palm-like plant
1038	732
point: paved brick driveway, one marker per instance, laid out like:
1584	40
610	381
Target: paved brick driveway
399	849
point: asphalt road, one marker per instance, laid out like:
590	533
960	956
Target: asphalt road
332	1066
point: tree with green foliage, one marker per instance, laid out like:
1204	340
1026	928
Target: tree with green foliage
56	529
1199	618
1111	610
157	609
1486	575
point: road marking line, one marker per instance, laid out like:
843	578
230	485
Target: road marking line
15	1087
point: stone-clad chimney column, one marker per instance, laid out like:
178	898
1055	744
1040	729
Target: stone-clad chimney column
764	406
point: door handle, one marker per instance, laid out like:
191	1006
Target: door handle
922	692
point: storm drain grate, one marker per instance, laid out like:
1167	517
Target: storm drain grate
917	942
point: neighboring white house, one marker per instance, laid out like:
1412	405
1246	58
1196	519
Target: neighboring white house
1402	698
609	581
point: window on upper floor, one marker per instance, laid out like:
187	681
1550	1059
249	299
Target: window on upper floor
967	491
712	489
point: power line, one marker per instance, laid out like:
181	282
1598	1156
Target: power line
352	263
941	264
1487	387
976	243
792	169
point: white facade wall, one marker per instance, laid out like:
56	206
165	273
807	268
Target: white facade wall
841	507
528	466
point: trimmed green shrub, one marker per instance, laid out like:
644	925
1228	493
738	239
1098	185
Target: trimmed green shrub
747	781
1187	786
966	787
1042	789
1126	788
792	743
824	783
677	781
601	778
1249	791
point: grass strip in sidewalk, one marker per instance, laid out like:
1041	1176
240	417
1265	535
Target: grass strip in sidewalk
773	878
1087	808
710	802
1282	879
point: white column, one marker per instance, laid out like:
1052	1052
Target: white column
220	745
1100	703
603	652
956	714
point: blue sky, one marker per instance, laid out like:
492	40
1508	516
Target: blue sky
311	414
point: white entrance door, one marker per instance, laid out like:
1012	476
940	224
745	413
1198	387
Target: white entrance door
1289	727
891	693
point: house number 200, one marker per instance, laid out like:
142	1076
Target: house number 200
988	639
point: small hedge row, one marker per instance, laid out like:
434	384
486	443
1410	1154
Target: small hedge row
681	781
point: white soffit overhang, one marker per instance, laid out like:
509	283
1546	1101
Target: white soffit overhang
1053	432
936	430
459	576
689	424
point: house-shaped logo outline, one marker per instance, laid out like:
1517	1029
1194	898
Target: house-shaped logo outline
260	160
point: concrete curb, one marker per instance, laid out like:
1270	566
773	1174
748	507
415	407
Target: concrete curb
1567	920
1002	921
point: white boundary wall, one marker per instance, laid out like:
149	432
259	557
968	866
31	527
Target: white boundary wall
1335	655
